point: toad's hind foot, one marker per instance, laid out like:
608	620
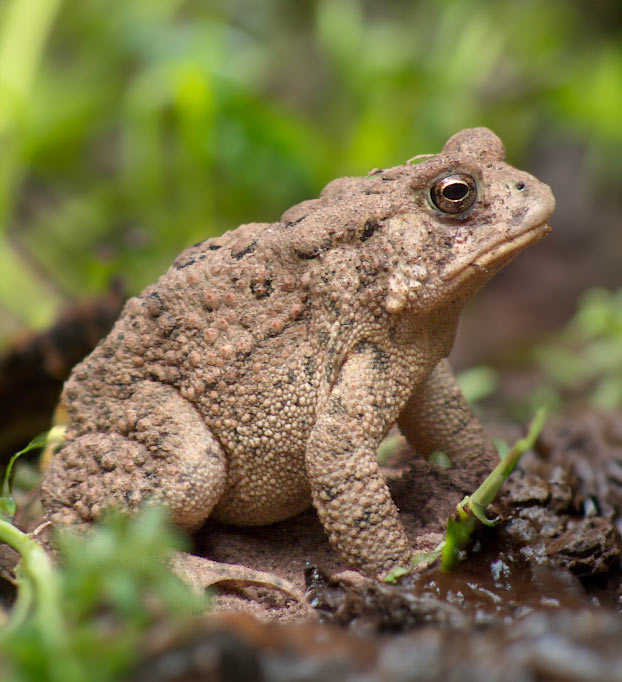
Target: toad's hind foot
201	573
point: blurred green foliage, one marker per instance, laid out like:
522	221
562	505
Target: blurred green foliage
584	359
579	364
131	128
478	382
111	590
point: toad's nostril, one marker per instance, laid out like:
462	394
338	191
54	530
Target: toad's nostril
520	186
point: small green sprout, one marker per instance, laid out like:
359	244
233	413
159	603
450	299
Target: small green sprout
46	439
471	511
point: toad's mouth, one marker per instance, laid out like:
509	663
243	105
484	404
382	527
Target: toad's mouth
497	255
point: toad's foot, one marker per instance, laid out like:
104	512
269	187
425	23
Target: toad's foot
202	573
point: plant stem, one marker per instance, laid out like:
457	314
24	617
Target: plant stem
36	565
488	490
41	586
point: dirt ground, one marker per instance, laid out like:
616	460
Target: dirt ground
561	511
538	598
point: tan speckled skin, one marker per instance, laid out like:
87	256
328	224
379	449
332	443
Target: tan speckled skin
260	373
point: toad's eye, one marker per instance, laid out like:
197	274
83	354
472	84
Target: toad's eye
455	193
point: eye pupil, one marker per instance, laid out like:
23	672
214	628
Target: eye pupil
455	191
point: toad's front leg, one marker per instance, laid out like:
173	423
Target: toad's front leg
349	492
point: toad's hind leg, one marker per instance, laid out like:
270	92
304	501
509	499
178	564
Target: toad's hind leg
160	451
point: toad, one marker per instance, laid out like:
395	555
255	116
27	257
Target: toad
260	373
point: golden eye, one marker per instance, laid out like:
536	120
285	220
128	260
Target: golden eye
454	194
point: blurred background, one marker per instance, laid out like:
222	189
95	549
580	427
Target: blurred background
130	129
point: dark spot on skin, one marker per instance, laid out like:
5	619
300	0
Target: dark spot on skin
370	227
249	248
181	266
314	252
270	334
364	282
291	223
307	255
310	368
291	376
336	406
380	359
323	337
167	326
517	216
202	256
214	247
363	520
300	315
331	305
328	492
261	289
154	304
328	370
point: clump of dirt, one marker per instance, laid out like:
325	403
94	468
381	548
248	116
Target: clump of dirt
558	545
549	646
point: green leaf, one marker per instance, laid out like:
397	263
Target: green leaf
7	504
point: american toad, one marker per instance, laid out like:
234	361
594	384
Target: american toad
260	373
